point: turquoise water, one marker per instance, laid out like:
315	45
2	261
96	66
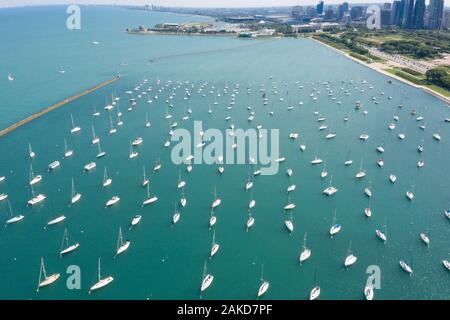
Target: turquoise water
165	261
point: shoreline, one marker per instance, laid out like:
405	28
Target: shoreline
379	69
39	114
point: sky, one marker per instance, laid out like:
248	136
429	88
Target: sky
188	3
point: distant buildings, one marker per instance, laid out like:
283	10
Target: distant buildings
446	23
419	14
319	8
436	12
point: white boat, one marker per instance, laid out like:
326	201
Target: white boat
420	148
13	219
281	159
65	244
368	192
436	136
212	219
183	200
34	179
380	149
56	220
112	201
425	239
181	183
101	282
167	144
249	184
112	129
405	267
75	197
215	246
306	253
45	280
145	180
391	126
446	264
150	199
106	181
137	141
364	137
176	217
335	227
420	163
289	224
95	138
410	195
135	221
293	135
447	213
348	162
330	135
368	292
250	220
2	178
264	284
100	153
67	152
381	235
157	166
36	199
10	77
289	172
323	174
291	188
316	161
392	178
302	147
216	202
315	293
90	166
122	246
133	153
147	122
207	279
3	196
75	129
350	259
329	191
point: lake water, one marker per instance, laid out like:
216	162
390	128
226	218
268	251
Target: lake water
166	261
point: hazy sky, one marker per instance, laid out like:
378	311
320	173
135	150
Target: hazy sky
187	3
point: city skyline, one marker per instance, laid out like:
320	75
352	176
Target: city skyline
190	3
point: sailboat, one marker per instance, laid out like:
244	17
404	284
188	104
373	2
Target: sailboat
382	235
350	258
145	180
315	292
290	205
75	196
36	198
133	153
335	227
65	243
330	190
10	77
54	165
13	219
306	253
215	246
181	183
34	179
95	138
368	292
112	129
289	223
176	216
157	166
96	113
183	200
149	199
112	201
264	284
324	172
31	153
75	129
250	220
122	246
216	202
106	181
212	219
100	153
361	173
101	282
67	152
348	161
56	220
406	267
207	279
45	280
147	122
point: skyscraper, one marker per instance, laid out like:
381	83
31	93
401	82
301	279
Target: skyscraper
397	12
342	9
436	11
408	12
319	8
419	13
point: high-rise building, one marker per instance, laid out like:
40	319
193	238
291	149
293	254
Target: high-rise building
419	14
436	11
319	8
446	23
387	6
297	12
408	12
385	16
356	12
329	14
397	12
342	9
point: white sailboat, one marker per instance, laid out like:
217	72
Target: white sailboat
382	235
13	219
45	280
106	181
264	284
335	227
217	201
36	198
31	153
406	267
361	173
101	282
65	247
368	292
330	190
315	292
181	183
75	196
289	223
95	138
100	153
149	199
67	151
112	129
122	246
135	221
34	179
250	220
54	165
133	153
350	259
306	253
147	122
212	219
112	201
145	180
75	129
157	166
183	200
176	216
207	279
215	246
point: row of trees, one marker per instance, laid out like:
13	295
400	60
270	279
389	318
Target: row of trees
439	76
411	47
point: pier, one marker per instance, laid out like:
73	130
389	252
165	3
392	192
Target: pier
55	106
